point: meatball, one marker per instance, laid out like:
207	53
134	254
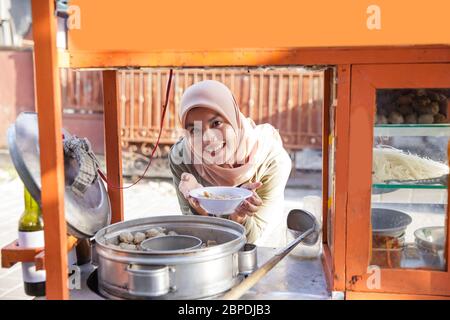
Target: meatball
154	232
440	118
411	118
426	119
405	109
139	237
395	118
126	237
381	119
127	246
211	243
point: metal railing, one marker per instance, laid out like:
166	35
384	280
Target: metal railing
288	98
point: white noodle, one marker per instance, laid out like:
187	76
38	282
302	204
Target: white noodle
390	163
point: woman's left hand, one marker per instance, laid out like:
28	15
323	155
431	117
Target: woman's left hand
250	206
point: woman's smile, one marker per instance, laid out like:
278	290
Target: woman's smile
214	149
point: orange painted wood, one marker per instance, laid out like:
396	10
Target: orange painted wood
341	170
48	100
258	57
113	145
327	263
40	257
365	80
111	26
351	295
12	253
40	261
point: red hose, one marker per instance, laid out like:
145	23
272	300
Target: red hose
103	176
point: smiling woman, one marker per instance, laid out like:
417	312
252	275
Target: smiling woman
222	147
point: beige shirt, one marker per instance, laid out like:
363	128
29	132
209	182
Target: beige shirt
267	226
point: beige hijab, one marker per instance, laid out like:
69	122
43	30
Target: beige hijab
254	144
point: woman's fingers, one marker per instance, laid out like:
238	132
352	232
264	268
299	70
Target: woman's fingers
194	203
188	177
187	183
255	199
184	189
247	208
185	176
252	185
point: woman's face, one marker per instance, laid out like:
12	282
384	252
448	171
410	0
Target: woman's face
211	134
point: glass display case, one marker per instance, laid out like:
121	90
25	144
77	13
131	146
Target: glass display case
409	178
397	212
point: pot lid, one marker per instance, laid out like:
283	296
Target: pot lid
85	214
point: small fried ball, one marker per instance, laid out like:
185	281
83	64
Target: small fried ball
126	237
440	118
127	246
411	118
139	237
426	119
395	118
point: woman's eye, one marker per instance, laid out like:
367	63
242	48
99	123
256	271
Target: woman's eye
216	123
194	131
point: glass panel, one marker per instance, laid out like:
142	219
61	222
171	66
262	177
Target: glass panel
331	163
331	178
410	178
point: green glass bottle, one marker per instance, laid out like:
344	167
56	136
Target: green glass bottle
31	235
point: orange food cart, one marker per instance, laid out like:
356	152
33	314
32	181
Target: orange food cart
360	62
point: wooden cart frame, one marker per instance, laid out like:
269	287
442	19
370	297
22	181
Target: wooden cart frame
346	256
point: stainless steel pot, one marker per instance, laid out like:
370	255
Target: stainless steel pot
431	239
191	274
430	242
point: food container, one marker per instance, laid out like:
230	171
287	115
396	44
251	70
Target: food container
388	236
431	243
187	274
221	200
178	243
387	250
389	222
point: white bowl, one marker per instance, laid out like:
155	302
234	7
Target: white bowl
220	206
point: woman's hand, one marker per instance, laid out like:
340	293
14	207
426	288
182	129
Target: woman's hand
188	183
250	206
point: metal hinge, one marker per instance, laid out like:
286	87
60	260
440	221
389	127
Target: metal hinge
61	8
355	279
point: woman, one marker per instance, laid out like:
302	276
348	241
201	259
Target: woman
223	148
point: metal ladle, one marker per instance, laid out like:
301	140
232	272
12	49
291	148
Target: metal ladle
304	226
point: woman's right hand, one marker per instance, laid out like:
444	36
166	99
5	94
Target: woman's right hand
189	182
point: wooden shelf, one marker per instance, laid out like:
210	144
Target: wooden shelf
412	130
12	253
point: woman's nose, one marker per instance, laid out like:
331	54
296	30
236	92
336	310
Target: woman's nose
212	135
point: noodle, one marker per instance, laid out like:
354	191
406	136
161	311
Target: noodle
393	164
